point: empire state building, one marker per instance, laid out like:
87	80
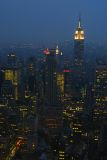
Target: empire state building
79	46
78	61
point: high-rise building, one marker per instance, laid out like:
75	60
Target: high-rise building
75	91
60	86
11	59
59	58
31	75
12	76
51	108
51	78
100	89
99	109
78	61
79	46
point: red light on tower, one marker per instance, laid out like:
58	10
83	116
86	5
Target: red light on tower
67	70
46	51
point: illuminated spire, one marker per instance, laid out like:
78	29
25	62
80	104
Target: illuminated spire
79	24
79	33
57	50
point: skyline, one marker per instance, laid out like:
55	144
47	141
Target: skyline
53	80
51	21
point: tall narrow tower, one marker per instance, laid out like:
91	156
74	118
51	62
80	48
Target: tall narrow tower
51	81
79	46
78	62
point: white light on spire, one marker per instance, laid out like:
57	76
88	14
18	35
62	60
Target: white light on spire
57	50
79	24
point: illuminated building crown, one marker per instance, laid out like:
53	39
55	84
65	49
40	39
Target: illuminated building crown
57	50
79	33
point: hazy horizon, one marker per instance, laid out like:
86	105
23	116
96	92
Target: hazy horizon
49	21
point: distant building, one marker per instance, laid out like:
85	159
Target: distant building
12	75
100	92
51	109
78	62
79	38
11	60
51	78
31	76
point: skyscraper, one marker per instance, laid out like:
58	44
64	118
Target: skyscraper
100	89
51	109
100	107
76	75
31	75
11	59
79	46
51	78
78	61
12	76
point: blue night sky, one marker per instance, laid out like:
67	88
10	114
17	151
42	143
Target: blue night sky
51	20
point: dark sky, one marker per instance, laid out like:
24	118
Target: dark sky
51	20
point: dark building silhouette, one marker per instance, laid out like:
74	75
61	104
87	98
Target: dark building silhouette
51	78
